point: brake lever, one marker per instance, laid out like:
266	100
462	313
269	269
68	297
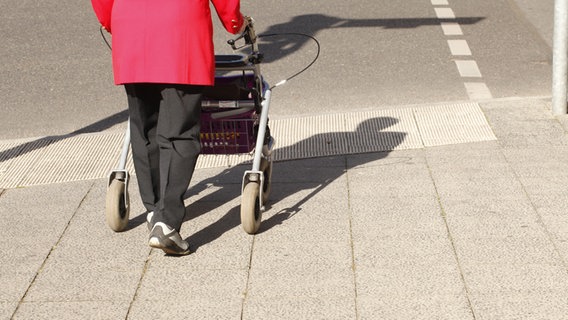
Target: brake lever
248	34
233	42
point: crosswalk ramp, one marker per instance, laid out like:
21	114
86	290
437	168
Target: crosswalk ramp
46	160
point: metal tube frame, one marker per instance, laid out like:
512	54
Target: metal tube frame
560	55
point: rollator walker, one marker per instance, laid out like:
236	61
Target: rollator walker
234	120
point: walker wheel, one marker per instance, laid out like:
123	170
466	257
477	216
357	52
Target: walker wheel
266	168
117	206
251	215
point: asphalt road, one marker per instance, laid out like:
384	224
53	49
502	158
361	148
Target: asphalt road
375	54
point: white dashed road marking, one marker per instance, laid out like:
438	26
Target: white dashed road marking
460	48
468	68
445	13
452	29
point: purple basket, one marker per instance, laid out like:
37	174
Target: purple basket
227	135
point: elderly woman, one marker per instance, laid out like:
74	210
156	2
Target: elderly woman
163	55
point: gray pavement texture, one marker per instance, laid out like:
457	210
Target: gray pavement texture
462	231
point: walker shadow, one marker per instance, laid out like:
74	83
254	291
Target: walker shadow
276	48
318	180
44	142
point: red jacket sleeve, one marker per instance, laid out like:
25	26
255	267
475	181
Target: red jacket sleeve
103	10
229	12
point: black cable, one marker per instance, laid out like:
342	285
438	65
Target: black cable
265	36
104	38
294	34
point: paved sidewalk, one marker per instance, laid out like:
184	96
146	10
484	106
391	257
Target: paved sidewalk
473	230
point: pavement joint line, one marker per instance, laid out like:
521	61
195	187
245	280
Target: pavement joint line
535	210
40	161
352	244
246	290
142	275
444	217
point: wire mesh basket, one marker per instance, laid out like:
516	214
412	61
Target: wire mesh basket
228	134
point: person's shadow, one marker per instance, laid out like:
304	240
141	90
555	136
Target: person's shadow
333	144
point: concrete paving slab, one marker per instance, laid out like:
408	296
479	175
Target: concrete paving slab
523	141
7	309
403	251
514	207
533	305
466	153
73	310
495	225
302	227
90	260
557	226
307	212
216	239
172	287
414	280
384	160
538	162
403	181
318	170
505	251
365	224
301	307
303	272
562	247
473	189
414	210
473	184
300	256
33	221
468	157
486	279
552	202
524	123
410	306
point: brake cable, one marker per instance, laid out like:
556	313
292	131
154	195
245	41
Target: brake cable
266	36
306	67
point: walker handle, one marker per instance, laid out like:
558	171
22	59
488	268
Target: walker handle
248	34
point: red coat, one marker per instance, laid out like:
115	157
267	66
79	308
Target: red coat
165	41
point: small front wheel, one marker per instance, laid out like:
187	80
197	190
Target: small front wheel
251	215
117	206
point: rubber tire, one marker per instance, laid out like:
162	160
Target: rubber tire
117	207
266	168
251	215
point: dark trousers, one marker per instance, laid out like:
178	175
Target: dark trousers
164	128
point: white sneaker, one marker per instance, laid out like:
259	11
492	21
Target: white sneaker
165	238
149	217
267	148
